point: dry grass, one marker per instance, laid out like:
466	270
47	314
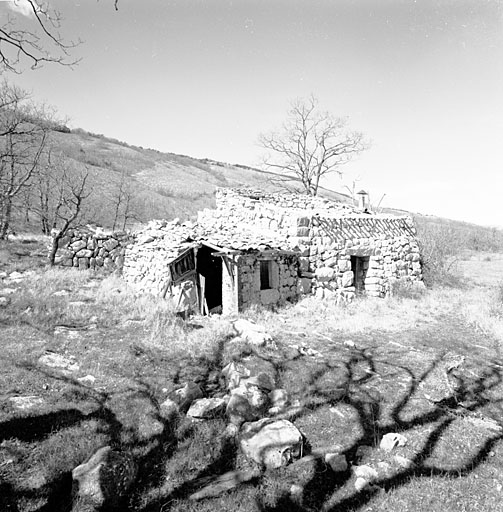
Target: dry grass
138	350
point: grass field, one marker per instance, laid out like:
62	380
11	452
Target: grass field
116	357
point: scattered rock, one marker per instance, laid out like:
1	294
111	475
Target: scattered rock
246	403
61	293
251	332
224	483
26	402
106	477
59	361
337	461
233	373
361	484
87	380
279	398
8	291
207	408
271	443
366	472
392	440
186	395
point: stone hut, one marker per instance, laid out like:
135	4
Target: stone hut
212	271
268	248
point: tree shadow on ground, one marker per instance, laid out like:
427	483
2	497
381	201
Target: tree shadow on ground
323	491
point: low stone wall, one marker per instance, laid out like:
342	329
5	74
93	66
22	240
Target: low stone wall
87	248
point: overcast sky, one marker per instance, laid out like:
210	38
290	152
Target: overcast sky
422	79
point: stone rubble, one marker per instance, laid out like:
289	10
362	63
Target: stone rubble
271	443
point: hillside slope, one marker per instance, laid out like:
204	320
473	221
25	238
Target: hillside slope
166	185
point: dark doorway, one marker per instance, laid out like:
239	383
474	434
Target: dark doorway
359	266
209	269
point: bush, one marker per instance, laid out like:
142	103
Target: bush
440	246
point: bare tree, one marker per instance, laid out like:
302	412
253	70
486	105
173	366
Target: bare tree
69	195
31	34
24	133
123	199
310	145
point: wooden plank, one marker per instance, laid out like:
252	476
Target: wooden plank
202	299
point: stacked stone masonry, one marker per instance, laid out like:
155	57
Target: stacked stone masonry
313	245
91	248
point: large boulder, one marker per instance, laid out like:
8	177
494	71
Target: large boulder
104	480
271	443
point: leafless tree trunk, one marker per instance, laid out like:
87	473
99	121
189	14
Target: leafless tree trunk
73	189
23	141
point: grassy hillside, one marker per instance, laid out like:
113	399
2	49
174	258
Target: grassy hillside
166	185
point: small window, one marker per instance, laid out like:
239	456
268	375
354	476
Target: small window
265	275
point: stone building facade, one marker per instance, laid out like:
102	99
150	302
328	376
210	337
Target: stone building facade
342	250
263	248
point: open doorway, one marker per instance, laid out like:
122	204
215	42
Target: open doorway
359	266
209	269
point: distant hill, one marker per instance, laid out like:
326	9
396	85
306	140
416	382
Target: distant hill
166	185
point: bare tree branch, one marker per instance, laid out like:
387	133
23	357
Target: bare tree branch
35	39
310	145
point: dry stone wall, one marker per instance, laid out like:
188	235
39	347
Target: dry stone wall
284	280
328	235
150	251
90	248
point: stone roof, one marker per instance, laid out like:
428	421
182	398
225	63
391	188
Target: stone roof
174	238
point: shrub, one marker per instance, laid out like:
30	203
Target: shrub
440	247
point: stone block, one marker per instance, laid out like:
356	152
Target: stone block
78	245
325	274
84	253
347	279
110	244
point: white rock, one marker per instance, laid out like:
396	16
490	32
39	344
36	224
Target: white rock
392	440
366	472
88	379
54	360
206	408
26	402
271	443
361	484
249	331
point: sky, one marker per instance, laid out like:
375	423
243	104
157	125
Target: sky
422	79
